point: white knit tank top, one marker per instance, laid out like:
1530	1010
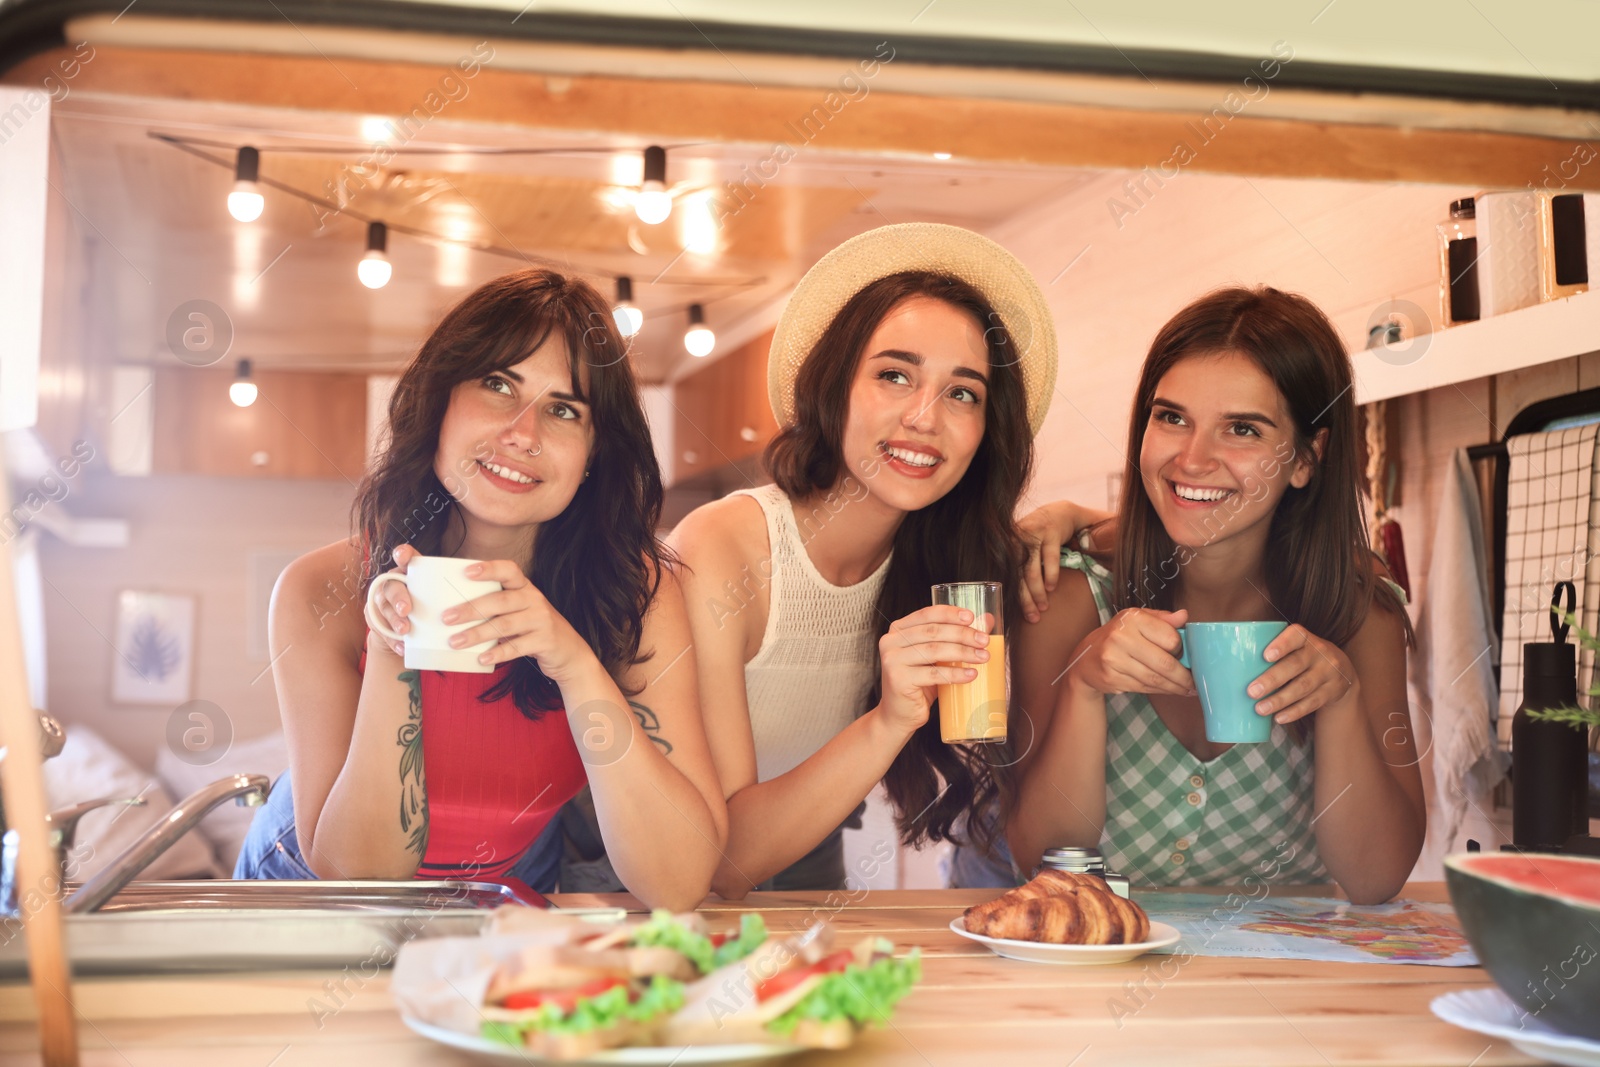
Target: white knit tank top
819	655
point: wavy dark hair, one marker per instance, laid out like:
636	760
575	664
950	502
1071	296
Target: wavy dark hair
598	562
1319	560
968	535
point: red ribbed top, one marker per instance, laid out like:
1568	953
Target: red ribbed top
495	778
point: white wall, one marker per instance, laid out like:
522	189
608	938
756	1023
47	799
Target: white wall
191	535
1116	260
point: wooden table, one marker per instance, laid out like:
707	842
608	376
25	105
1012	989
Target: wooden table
972	1007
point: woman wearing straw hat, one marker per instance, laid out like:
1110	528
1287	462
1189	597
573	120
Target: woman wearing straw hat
909	373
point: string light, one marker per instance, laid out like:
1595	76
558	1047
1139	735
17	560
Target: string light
629	317
698	338
243	391
653	204
246	202
374	269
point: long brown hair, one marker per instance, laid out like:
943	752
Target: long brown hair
967	535
598	562
1319	561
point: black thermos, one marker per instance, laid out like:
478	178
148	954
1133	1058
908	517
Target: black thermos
1549	760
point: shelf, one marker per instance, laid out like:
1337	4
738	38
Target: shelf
1527	337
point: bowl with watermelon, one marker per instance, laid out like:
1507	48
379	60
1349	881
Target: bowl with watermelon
1534	920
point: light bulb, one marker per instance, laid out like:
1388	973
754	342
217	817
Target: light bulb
629	319
652	205
246	203
243	391
699	339
374	270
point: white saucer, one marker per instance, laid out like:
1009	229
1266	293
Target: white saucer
1489	1011
651	1056
1161	936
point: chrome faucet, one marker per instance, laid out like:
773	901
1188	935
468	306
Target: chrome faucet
62	826
249	790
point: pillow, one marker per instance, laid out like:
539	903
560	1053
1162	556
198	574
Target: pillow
89	767
225	828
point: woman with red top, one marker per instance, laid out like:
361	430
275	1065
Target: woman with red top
517	439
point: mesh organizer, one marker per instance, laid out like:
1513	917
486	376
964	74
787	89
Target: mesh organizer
1552	535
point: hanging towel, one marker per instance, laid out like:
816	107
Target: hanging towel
1458	642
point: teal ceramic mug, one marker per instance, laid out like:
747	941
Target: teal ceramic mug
1225	657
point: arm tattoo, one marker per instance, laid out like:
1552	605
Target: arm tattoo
413	790
650	723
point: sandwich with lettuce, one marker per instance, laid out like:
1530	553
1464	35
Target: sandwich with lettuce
604	988
671	981
799	991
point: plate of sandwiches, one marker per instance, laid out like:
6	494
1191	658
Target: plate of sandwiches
1064	917
540	988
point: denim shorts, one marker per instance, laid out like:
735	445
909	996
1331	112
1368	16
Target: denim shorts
973	868
271	849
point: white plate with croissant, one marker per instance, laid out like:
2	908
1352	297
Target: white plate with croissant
1062	917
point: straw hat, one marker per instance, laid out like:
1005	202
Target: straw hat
1002	279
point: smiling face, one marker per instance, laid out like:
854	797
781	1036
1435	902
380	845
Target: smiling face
918	403
1219	451
514	444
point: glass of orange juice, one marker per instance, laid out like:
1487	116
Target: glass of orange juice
974	713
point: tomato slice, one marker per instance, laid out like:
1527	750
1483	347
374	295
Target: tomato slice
563	999
784	981
718	940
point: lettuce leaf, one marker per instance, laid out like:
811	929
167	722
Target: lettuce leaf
861	994
752	932
663	931
661	996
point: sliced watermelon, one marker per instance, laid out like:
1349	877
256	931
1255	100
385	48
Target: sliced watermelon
1534	919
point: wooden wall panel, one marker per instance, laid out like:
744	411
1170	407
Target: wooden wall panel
722	412
302	425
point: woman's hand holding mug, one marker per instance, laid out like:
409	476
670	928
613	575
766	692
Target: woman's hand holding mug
1136	652
388	604
443	613
405	606
520	622
1307	675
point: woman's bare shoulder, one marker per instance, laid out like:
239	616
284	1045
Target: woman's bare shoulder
320	592
722	535
1072	614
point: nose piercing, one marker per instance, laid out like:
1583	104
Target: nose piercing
535	451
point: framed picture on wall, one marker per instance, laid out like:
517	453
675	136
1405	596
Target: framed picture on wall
153	658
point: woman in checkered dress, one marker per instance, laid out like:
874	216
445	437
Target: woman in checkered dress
1242	503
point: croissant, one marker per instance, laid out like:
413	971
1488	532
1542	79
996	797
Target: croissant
1061	908
1057	920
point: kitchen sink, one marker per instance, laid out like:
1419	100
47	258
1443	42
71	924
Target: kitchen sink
275	925
266	895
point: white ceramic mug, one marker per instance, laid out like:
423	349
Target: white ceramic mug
437	584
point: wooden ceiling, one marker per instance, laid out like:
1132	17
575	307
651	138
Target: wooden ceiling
465	202
155	214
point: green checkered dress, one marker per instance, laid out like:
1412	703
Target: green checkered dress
1172	819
